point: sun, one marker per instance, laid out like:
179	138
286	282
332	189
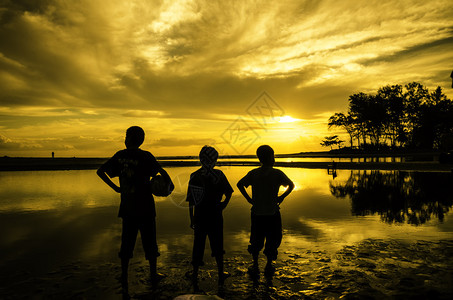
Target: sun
287	119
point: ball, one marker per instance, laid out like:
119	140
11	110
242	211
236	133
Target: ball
160	187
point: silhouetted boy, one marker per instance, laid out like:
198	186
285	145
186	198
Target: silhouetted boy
134	167
265	215
207	186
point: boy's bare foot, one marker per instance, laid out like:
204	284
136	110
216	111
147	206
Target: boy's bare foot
156	277
222	277
189	274
253	270
192	276
123	280
269	270
124	286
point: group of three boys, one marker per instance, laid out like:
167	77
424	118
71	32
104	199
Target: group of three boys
208	194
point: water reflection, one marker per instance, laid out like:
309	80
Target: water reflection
397	196
52	190
48	218
381	159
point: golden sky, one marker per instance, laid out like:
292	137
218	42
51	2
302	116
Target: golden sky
233	74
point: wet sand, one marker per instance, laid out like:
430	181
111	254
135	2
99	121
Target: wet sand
371	269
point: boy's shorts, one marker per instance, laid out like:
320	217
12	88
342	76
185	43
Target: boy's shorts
269	229
147	228
211	228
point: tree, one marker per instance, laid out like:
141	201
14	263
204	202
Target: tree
393	100
414	96
442	115
431	121
329	141
368	113
410	117
376	115
342	121
357	107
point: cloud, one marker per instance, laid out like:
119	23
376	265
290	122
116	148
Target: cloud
29	144
176	142
86	54
8	144
144	113
112	63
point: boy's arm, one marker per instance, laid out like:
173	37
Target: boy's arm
191	216
227	191
225	202
289	189
101	173
190	201
241	187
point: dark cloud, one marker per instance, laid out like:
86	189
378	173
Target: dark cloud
425	49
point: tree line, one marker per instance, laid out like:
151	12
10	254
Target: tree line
396	116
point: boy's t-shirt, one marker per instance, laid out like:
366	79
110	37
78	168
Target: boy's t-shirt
205	191
265	184
134	167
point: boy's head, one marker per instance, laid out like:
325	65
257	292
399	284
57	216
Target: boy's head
266	155
208	156
134	137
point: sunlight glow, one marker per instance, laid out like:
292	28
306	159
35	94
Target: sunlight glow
287	119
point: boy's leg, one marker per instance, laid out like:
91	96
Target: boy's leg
128	238
124	269
273	240
199	242
215	234
149	242
222	275
257	236
155	276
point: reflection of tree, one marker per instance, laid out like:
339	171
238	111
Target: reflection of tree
397	196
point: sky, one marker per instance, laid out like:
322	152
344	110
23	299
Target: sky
74	75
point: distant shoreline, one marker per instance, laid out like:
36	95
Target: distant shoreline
43	164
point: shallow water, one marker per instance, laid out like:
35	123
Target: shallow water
386	159
56	220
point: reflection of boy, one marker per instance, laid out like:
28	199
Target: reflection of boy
205	192
265	216
134	167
